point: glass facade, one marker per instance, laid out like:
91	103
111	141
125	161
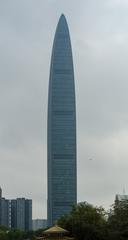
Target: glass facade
21	214
61	127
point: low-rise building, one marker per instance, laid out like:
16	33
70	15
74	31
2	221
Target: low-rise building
38	224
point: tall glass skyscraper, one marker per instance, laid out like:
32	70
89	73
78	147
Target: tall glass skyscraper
61	127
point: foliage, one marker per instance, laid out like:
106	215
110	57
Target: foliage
14	234
85	222
118	220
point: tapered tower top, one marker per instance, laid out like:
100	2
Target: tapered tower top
62	24
62	16
62	19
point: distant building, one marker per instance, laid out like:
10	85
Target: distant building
21	214
16	213
38	224
13	213
4	212
28	214
121	197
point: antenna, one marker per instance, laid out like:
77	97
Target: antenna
0	192
123	190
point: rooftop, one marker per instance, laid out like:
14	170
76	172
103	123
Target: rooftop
55	229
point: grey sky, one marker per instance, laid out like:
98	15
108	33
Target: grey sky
99	34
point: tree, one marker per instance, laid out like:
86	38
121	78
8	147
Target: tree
118	220
85	222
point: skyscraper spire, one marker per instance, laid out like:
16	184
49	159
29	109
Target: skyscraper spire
0	192
124	190
61	127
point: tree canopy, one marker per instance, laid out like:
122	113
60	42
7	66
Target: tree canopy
86	222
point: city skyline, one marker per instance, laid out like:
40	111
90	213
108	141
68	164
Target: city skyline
16	213
99	40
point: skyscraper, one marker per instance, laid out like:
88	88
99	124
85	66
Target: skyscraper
21	214
4	212
28	214
61	127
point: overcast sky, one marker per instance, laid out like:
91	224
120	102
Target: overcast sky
99	35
